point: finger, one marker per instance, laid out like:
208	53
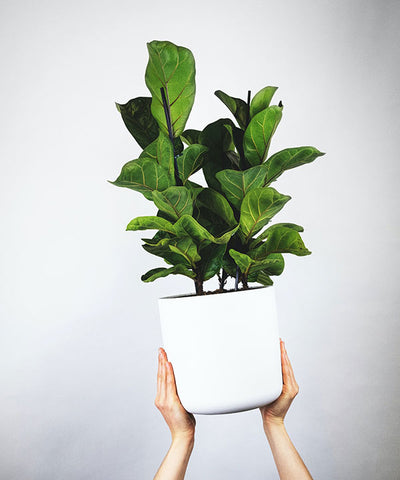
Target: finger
285	366
171	386
159	375
163	386
291	377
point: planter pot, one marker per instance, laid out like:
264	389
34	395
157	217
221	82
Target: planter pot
224	349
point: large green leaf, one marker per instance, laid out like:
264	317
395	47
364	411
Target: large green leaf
155	273
211	260
256	241
281	240
258	134
162	151
218	137
190	136
260	277
174	201
173	68
138	119
188	226
190	161
258	207
287	159
242	260
186	248
236	184
238	107
144	175
214	207
261	100
151	223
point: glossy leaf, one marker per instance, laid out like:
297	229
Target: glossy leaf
258	207
190	161
238	107
218	137
155	273
211	260
260	277
235	184
162	151
218	207
266	232
173	68
261	100
191	136
151	223
144	175
242	260
287	159
187	225
258	134
274	264
281	240
138	119
186	248
174	201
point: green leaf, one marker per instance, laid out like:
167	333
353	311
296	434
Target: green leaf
274	264
258	134
186	248
190	136
215	207
261	100
242	260
260	277
218	137
211	260
236	184
138	119
286	240
155	273
265	233
281	240
162	151
174	201
187	225
162	249
287	159
238	107
143	175
190	161
173	68
151	223
258	207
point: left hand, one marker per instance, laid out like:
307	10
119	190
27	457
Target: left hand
180	422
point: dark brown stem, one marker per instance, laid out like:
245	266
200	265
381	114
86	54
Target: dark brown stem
198	282
244	282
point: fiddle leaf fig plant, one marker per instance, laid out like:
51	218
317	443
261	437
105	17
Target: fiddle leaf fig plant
222	229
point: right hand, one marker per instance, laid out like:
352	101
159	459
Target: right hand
180	422
275	412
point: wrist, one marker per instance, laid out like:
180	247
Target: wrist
183	438
270	422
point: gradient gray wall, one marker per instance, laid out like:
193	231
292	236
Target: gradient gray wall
80	332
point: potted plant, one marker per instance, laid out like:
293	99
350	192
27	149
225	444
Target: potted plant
224	346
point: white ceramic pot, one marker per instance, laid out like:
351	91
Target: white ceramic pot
224	349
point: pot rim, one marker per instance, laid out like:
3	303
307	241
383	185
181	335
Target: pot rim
193	295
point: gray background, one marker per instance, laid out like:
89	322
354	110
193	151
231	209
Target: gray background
80	332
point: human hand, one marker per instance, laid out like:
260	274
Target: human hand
275	412
180	422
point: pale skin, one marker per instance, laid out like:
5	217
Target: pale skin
182	425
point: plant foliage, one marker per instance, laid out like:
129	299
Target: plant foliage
224	228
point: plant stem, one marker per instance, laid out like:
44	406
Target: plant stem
199	286
170	134
244	282
248	106
237	279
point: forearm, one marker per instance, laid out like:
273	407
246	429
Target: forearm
288	461
176	461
